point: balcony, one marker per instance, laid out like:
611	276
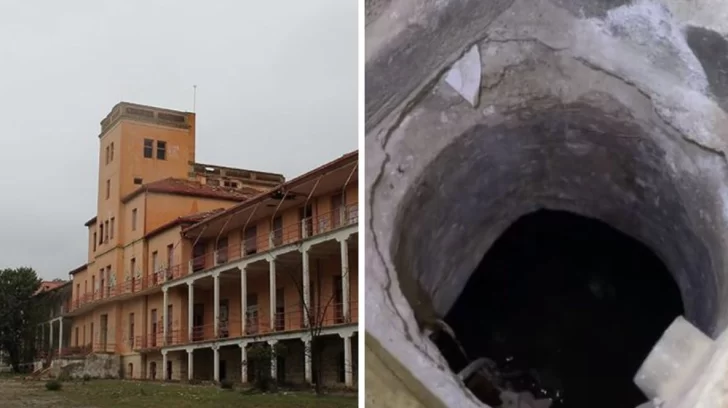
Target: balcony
131	286
256	325
287	234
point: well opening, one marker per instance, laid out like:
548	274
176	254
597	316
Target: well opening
605	176
567	307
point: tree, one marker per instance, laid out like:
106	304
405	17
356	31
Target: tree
19	314
315	311
260	357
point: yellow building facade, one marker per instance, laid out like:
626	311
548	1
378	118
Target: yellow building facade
191	264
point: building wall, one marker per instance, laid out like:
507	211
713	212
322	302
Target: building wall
180	151
162	208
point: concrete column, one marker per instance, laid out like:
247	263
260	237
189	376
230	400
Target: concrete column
60	336
307	367
306	288
164	365
243	362
272	278
216	305
190	364
348	363
345	279
243	299
273	360
216	363
50	338
190	308
165	302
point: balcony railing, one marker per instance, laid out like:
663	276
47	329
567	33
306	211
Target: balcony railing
255	325
287	234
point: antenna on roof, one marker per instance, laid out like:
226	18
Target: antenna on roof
194	97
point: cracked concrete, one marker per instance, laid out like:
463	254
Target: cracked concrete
610	112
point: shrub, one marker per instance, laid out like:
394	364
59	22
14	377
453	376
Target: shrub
53	385
226	385
86	377
194	381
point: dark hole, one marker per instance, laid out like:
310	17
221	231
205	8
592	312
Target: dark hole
568	308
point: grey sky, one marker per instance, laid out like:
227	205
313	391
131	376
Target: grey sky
276	91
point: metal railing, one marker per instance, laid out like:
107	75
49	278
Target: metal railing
285	235
256	324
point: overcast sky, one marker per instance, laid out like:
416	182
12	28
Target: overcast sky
276	91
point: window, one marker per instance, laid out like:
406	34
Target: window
111	155
106	231
155	260
170	260
148	148
161	150
107	155
101	233
138	180
133	219
94	242
111	228
131	329
108	189
132	267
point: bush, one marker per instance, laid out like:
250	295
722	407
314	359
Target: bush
53	385
226	385
86	377
194	381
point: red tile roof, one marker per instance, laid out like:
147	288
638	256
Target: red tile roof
194	189
183	220
350	157
79	269
46	286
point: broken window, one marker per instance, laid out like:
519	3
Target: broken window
111	152
101	234
108	189
111	228
106	161
161	150
148	148
133	219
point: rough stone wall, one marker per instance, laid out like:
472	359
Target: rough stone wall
94	366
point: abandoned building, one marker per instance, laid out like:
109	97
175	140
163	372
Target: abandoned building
548	179
190	265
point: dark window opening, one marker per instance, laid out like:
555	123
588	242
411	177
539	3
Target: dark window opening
338	300
250	241
280	310
148	148
222	250
567	308
198	257
161	150
138	180
251	314
281	369
278	230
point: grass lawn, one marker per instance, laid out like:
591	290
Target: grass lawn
128	394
